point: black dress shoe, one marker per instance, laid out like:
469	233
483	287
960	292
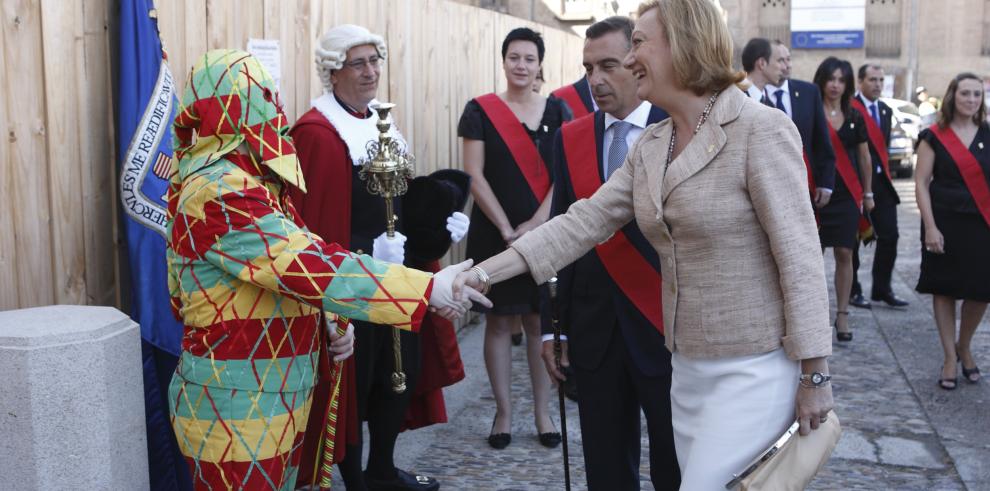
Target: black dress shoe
516	339
498	441
859	301
890	299
401	482
550	439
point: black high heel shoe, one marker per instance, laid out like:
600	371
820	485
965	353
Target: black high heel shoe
498	441
968	372
845	337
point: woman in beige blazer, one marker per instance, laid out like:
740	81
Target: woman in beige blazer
719	190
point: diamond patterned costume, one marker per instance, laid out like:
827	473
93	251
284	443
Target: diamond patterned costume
250	283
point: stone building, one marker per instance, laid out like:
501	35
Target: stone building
919	42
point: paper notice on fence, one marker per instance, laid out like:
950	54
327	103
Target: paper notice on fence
268	53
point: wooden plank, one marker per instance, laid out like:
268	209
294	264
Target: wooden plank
302	57
9	291
99	192
220	24
27	151
191	24
62	42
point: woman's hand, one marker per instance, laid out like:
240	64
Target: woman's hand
869	204
443	300
523	228
813	405
508	235
341	345
934	241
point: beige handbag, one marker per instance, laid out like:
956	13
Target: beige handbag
795	464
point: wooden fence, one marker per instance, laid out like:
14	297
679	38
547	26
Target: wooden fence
58	234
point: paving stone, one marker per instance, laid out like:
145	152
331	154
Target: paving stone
853	445
901	451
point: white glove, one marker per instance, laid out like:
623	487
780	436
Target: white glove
442	296
389	250
341	345
457	225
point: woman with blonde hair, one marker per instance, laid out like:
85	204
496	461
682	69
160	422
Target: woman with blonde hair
719	190
953	193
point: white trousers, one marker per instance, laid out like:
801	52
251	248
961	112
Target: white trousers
727	411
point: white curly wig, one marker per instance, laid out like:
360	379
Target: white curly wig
331	53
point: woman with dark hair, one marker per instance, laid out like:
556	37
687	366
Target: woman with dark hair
852	197
952	186
508	142
720	192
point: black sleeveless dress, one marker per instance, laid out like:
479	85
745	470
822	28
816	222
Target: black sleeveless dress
840	217
518	295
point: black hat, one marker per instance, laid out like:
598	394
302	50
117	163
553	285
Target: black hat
425	208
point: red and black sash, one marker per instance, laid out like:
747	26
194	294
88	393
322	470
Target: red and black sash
969	168
569	94
876	136
843	165
628	268
520	145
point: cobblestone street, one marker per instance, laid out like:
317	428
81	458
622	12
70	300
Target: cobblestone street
899	430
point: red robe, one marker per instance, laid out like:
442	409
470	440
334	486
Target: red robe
326	210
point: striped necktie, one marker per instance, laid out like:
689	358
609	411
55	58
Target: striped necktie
618	148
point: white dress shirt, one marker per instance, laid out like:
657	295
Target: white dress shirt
753	91
772	94
638	119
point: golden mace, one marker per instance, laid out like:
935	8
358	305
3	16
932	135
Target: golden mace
387	170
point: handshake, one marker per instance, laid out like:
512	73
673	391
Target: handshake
449	298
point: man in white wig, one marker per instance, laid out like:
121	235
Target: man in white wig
331	139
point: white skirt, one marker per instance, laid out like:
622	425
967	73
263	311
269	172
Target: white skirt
727	411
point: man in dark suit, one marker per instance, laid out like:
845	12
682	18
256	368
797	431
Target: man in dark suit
879	120
609	307
803	103
578	97
761	67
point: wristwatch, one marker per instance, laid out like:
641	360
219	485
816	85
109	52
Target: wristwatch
814	379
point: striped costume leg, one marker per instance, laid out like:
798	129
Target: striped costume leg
239	439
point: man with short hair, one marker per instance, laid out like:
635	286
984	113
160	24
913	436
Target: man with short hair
879	121
609	299
803	103
331	139
578	98
762	67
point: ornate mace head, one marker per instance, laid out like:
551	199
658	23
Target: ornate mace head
388	166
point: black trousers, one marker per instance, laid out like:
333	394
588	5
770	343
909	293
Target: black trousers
885	225
610	399
377	403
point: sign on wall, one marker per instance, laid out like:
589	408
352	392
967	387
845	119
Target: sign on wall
827	24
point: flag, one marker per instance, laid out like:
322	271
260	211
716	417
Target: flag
146	102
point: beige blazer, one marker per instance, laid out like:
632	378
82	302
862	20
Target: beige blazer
733	224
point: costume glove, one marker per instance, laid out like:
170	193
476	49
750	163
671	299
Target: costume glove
457	225
389	250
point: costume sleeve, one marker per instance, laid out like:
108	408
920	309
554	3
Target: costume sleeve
470	126
235	223
786	217
326	207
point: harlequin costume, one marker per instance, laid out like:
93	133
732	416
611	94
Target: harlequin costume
250	283
331	139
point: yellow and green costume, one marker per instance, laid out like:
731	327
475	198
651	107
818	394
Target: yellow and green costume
250	283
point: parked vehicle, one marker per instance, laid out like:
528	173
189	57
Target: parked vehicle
903	136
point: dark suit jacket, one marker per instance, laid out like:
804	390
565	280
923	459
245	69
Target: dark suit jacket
809	117
592	307
882	187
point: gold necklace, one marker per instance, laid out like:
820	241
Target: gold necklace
697	128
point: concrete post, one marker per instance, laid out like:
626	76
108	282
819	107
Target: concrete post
71	400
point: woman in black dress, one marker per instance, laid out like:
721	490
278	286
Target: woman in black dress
840	218
508	142
955	262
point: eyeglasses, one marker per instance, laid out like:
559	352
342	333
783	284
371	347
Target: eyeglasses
361	64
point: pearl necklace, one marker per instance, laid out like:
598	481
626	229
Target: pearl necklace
697	128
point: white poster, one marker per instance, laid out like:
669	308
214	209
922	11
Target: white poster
268	53
827	24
